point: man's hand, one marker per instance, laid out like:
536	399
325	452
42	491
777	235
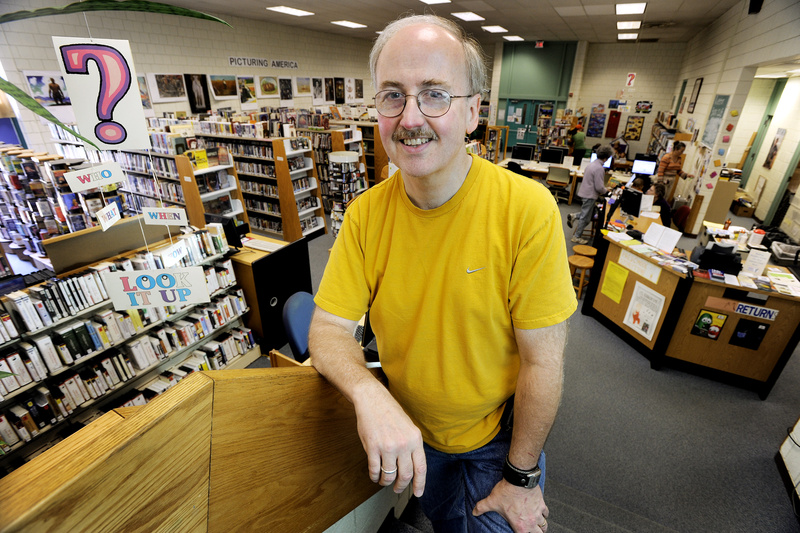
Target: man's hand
392	442
522	508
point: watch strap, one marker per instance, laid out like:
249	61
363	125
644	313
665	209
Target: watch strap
521	478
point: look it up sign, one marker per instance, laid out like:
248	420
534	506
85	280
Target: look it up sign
132	289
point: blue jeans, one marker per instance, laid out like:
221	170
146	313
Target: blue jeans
587	210
456	482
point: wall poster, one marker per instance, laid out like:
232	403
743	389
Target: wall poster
644	311
776	145
714	122
633	129
597	122
709	324
698	83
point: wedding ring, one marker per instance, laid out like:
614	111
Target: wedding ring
389	472
543	524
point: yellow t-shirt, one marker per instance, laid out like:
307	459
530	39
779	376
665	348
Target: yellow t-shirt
445	288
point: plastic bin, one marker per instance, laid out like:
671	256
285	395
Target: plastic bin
785	254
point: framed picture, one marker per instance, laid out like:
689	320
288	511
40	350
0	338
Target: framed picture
267	87
698	83
350	90
199	102
776	145
317	91
144	94
633	129
247	92
330	97
338	88
302	86
359	90
286	92
47	87
223	87
166	88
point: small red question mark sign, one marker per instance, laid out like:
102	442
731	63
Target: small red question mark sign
631	77
115	81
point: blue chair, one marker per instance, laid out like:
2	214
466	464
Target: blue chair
297	312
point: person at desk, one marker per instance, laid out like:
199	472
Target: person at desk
671	164
592	186
463	268
577	141
659	190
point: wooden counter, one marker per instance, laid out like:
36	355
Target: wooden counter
755	332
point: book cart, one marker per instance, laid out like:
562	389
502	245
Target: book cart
374	152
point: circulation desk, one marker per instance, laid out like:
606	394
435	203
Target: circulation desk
739	336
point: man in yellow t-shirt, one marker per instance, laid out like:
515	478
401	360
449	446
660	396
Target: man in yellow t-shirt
463	268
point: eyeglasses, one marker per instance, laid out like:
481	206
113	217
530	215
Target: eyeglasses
431	102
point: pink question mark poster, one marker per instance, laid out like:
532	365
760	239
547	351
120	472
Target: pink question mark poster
101	80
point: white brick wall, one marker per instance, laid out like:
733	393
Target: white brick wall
605	73
750	120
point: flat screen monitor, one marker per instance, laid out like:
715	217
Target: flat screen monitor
630	202
523	153
532	146
607	164
233	233
645	157
552	155
641	166
564	150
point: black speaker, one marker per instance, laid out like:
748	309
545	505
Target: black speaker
755	7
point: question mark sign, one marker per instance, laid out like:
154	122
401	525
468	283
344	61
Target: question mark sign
115	80
631	76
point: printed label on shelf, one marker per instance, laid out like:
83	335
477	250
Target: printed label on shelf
134	289
165	216
95	176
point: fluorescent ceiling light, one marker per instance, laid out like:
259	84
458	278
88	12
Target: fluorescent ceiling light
494	29
631	9
513	38
290	11
430	2
348	24
771	76
468	16
629	24
627	36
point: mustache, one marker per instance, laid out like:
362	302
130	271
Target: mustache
402	133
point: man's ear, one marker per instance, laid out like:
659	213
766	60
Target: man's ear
473	113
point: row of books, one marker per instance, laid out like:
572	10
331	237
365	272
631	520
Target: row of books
163	166
302	183
242	149
255	169
263	207
167	190
48	406
264	224
214	355
261	189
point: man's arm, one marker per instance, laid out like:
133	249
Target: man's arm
388	435
537	399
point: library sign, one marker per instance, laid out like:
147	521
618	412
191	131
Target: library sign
262	62
134	289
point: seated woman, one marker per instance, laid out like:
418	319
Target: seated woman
660	191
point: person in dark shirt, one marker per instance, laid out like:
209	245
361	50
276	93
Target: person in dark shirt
660	191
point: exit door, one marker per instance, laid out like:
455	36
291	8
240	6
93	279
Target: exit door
521	119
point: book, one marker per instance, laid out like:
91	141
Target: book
7	433
66	337
26	427
32	353
19	369
10	382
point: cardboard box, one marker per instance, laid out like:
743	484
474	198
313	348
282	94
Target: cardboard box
741	210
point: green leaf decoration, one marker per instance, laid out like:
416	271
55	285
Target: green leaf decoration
23	98
110	5
4	374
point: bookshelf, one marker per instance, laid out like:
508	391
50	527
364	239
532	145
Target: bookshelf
496	136
663	134
323	142
81	358
544	125
280	202
214	189
374	153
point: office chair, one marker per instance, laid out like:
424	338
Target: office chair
514	167
297	312
558	179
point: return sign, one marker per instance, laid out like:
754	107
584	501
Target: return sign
755	311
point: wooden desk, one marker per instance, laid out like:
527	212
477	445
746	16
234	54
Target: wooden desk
537	170
268	279
675	341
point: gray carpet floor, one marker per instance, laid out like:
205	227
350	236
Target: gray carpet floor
635	449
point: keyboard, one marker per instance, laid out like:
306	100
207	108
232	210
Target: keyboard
264	246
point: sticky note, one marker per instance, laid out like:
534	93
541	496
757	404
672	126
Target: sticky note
726	138
734	113
713	174
721	151
717	162
711	185
729	127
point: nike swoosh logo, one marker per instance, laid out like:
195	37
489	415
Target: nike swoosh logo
471	271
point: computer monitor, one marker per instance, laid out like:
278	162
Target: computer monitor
522	152
645	157
532	146
577	157
553	156
606	165
564	150
641	166
630	202
233	233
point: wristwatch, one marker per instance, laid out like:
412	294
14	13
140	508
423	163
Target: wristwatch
521	478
